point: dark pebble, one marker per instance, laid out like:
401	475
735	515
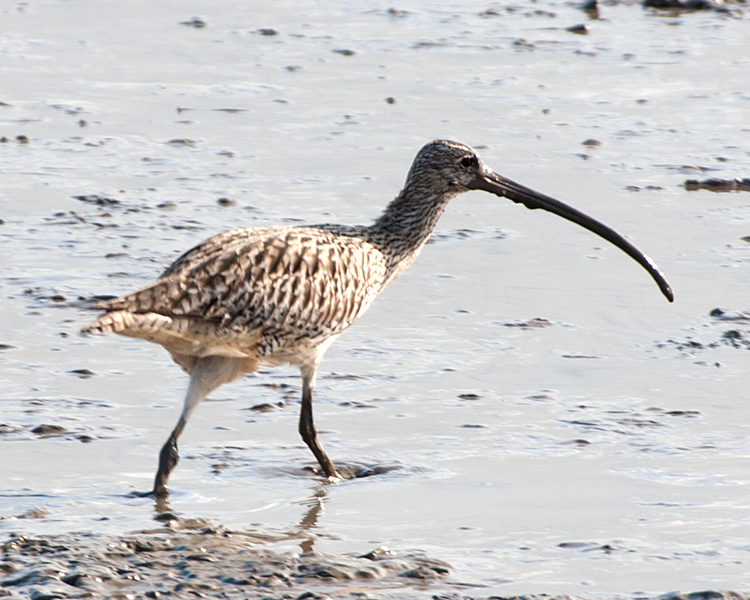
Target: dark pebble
181	142
48	429
263	407
719	185
685	4
196	22
97	200
580	29
82	373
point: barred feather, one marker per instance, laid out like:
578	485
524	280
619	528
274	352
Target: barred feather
279	293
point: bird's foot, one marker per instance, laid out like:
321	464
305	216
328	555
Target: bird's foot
332	476
162	493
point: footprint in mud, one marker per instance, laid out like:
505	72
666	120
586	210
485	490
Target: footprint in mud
352	471
228	459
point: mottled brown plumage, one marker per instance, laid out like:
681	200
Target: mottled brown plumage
276	295
257	292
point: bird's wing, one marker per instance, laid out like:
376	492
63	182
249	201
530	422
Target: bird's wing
293	282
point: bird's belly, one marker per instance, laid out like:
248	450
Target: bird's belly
300	353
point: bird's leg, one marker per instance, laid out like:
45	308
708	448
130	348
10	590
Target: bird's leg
168	458
206	374
307	426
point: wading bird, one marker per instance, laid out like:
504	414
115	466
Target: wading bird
282	295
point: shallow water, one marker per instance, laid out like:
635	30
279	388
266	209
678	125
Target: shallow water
600	452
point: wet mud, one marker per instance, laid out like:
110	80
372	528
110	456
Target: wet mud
554	427
214	562
209	562
716	184
713	333
689	5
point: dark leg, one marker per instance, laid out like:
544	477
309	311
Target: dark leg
168	459
205	376
307	426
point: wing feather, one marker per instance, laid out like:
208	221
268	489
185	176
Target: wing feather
286	283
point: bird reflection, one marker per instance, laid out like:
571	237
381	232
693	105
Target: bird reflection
303	532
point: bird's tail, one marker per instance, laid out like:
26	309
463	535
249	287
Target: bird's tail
127	323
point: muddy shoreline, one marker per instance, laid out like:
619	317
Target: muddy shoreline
214	562
211	562
557	427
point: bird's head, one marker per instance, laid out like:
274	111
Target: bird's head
449	168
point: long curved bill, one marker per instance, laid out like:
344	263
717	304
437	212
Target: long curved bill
489	181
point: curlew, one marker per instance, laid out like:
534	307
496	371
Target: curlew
282	295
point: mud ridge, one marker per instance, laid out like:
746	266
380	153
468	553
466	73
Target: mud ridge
209	563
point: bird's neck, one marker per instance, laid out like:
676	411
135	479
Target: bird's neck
405	226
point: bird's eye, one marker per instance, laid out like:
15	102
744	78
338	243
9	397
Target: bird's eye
469	161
